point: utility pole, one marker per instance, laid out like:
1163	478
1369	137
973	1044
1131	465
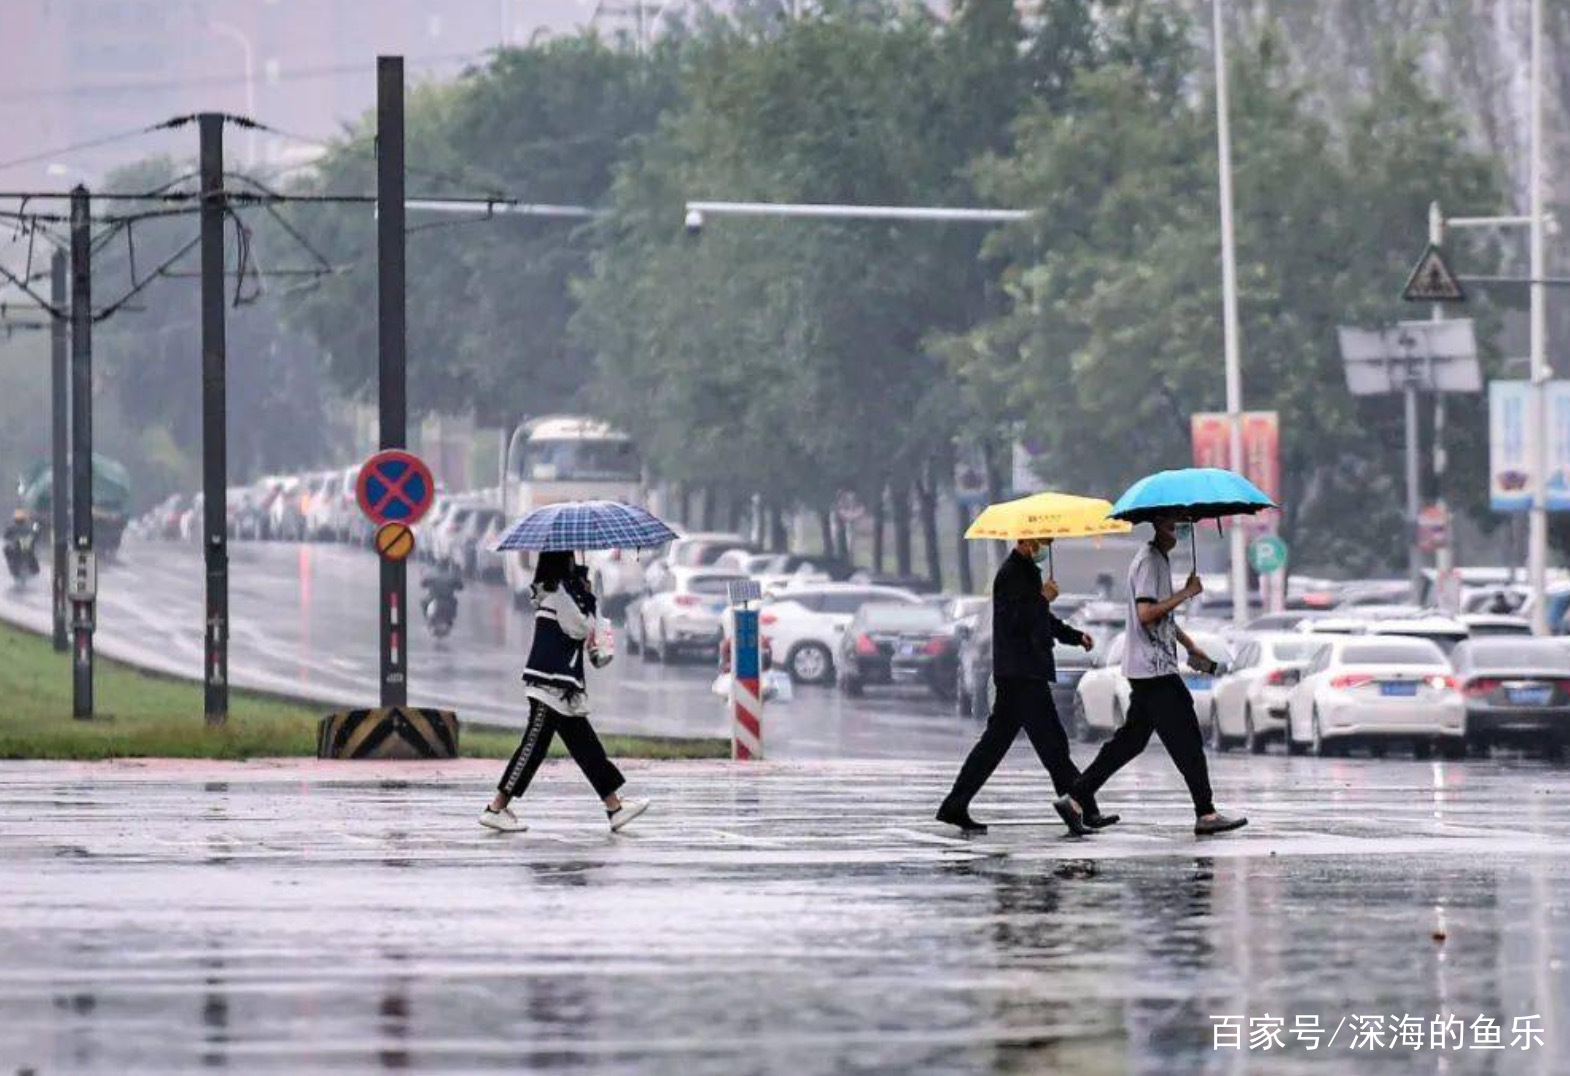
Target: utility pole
59	427
83	569
1537	413
215	444
390	338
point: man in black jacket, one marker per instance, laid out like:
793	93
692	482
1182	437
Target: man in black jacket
1023	631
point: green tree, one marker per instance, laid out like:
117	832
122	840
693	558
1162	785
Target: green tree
1114	334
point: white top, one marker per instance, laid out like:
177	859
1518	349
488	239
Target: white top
1151	649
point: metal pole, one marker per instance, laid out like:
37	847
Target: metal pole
59	430
1537	413
82	607
1234	371
1444	556
1413	554
391	328
215	447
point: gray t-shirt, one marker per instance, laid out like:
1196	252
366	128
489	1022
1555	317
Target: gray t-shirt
1150	649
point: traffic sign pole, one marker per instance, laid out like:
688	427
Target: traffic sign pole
391	329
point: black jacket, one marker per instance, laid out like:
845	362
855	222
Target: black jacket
1023	627
563	618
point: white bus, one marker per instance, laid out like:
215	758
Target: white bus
564	458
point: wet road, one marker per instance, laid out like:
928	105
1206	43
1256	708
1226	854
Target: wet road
782	918
304	624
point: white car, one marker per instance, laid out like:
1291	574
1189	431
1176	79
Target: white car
341	513
692	551
618	576
684	613
287	523
1377	688
1102	697
1249	705
803	624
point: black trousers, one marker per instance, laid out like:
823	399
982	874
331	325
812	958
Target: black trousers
1021	704
1161	705
582	744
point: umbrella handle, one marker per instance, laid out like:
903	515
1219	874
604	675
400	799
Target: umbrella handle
1051	574
1193	547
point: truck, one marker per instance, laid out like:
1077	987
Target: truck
111	499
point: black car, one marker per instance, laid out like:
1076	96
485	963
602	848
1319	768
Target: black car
896	643
1517	691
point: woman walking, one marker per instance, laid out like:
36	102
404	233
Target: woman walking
564	612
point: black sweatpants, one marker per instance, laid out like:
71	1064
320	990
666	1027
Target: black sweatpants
582	744
1021	704
1161	705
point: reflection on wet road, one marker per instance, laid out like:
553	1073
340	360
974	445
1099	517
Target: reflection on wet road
304	623
789	918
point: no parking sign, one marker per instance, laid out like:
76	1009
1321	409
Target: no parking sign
395	487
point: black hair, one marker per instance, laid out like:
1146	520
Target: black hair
553	569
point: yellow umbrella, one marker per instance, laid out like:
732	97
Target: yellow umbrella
1047	516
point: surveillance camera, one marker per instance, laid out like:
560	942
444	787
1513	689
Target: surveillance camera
694	222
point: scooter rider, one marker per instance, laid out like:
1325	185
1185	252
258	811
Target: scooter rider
441	593
21	541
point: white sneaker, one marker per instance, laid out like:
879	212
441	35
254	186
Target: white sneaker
503	821
628	810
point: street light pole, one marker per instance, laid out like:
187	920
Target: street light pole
1537	436
1444	554
1234	373
239	37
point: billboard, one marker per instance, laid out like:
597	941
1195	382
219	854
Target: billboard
1509	463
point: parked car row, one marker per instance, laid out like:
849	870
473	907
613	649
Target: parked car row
322	506
1338	682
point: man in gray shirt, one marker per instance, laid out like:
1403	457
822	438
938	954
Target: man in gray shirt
1160	701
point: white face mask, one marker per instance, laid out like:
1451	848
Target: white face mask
1042	555
1183	531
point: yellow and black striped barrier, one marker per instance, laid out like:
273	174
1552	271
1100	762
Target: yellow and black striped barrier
398	732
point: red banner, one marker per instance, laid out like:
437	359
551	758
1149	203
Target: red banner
1261	448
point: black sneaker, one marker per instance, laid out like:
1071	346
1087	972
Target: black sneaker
1071	815
959	816
1097	820
1209	827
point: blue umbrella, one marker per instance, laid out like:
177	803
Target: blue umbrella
1192	493
575	525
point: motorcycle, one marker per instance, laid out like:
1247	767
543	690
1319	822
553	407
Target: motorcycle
440	606
21	555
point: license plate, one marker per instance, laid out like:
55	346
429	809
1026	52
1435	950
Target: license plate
1399	689
907	650
1530	696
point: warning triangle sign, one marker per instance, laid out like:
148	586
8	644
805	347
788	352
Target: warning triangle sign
1432	281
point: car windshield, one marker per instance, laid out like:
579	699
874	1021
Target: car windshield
1501	628
915	617
712	584
1445	640
1546	654
1294	650
573	460
1416	652
849	601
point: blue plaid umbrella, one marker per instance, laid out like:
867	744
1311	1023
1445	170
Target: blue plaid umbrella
576	525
